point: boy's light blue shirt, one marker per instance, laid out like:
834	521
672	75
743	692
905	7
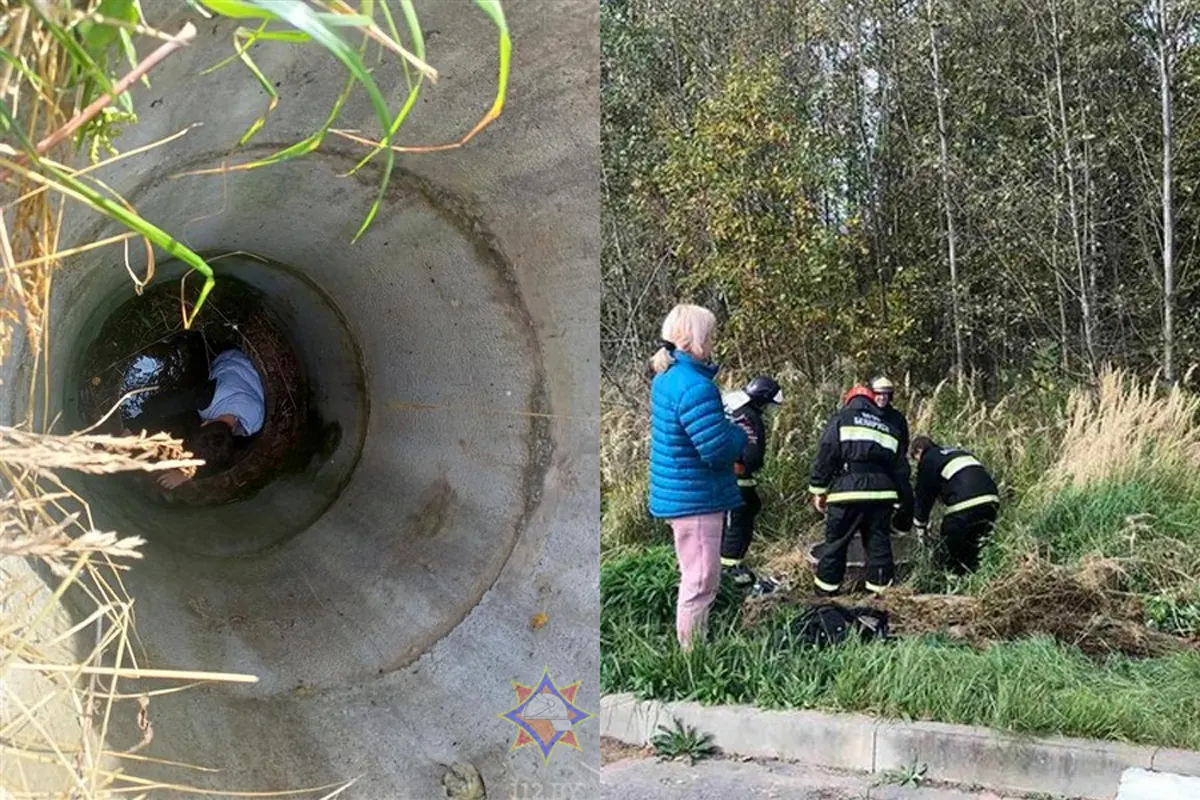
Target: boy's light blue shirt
239	392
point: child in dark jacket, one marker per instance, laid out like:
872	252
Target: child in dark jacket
747	409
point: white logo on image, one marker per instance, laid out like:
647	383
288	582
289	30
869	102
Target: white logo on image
548	707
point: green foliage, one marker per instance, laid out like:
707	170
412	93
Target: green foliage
912	775
643	587
737	198
89	39
1176	612
321	28
99	36
682	742
779	162
103	130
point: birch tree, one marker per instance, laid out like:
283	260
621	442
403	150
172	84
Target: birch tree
944	150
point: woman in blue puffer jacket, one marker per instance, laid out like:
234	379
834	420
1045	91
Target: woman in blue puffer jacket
693	447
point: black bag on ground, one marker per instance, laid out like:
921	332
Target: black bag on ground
829	623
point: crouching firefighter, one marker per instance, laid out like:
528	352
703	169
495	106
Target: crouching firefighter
972	501
853	484
747	409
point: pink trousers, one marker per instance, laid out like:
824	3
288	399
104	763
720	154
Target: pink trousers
698	548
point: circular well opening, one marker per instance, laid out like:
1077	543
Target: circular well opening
315	401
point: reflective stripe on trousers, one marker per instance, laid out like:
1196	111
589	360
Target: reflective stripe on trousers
981	500
860	497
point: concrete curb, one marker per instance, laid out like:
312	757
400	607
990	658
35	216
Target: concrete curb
954	753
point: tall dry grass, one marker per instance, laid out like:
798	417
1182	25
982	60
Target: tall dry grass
1125	426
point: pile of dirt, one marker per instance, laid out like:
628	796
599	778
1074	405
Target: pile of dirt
1086	606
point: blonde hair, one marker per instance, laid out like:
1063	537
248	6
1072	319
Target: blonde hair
689	328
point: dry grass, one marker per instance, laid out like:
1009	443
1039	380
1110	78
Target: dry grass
1123	425
1086	606
60	700
93	454
624	434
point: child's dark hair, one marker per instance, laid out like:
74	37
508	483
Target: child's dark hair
920	444
213	443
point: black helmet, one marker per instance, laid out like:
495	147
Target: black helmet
764	390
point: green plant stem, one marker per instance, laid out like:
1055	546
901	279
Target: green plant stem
185	37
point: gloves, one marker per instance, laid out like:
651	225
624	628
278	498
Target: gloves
920	528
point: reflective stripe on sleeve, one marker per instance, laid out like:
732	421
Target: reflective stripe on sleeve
954	465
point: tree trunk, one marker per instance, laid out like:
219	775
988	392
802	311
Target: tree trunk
1165	67
871	179
1085	294
951	244
1060	283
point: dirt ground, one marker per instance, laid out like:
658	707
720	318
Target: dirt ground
718	779
615	750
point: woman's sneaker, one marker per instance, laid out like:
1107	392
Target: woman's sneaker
763	586
741	575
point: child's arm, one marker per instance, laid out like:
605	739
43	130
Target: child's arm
172	479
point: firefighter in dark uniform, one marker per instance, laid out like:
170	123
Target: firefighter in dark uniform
902	518
853	484
972	501
759	394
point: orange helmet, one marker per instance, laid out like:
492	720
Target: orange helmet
858	391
